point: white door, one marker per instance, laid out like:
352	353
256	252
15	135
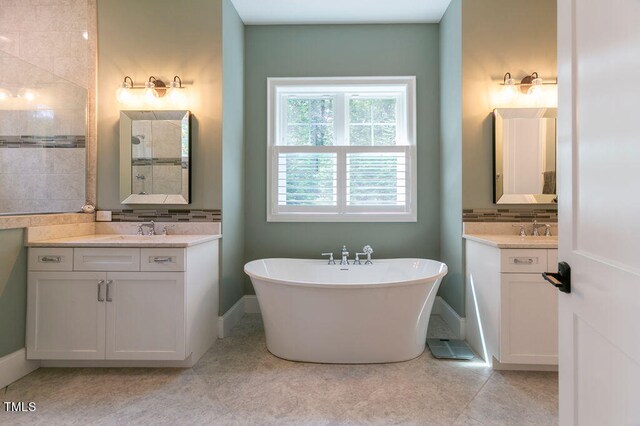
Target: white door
145	316
599	188
65	317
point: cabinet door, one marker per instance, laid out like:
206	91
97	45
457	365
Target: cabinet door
65	318
146	316
529	320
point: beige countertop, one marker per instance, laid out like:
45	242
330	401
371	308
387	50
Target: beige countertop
514	241
119	240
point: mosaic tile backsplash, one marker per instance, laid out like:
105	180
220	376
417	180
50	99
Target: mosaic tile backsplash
169	215
510	215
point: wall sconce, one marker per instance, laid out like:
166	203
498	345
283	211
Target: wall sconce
154	89
529	85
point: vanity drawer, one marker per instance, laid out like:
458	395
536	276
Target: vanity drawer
106	259
161	259
50	259
523	260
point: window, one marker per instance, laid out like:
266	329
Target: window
341	149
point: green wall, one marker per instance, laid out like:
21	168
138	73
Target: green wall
452	289
341	50
232	252
162	38
13	291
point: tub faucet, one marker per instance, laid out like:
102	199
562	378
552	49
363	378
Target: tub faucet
345	256
367	250
331	261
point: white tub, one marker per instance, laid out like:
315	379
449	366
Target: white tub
352	314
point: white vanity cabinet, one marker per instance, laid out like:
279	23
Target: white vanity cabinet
512	312
122	304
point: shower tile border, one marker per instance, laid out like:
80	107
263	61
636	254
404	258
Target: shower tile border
57	141
510	215
166	215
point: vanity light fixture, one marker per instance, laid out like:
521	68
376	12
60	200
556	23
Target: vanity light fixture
176	91
123	94
529	85
154	89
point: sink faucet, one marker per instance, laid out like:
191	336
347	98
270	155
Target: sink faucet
547	229
522	232
536	225
150	225
345	256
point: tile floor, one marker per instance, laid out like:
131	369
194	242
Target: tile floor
239	382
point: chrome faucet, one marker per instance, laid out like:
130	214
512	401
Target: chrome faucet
345	256
331	260
150	225
366	251
547	229
522	232
536	225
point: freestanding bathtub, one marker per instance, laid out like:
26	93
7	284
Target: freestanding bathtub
351	314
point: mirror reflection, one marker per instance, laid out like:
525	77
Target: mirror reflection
154	149
525	155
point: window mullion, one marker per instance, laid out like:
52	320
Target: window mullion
342	178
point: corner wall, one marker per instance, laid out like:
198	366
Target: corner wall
451	251
232	251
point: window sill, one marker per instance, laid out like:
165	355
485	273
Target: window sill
337	218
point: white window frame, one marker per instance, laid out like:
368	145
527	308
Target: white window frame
403	88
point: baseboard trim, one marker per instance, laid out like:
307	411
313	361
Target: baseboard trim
455	322
15	366
251	305
230	318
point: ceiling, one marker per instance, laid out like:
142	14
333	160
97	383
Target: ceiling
280	12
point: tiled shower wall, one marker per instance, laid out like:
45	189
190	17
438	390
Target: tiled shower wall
46	49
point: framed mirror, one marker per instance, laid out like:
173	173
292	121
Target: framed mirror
155	157
525	141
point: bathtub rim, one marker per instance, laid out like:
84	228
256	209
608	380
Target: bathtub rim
432	278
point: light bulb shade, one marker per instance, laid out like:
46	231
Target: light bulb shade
150	95
177	95
4	94
124	95
509	91
535	90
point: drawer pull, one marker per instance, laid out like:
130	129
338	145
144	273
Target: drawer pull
109	298
523	261
161	259
50	259
100	284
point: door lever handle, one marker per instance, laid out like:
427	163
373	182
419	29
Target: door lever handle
562	279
